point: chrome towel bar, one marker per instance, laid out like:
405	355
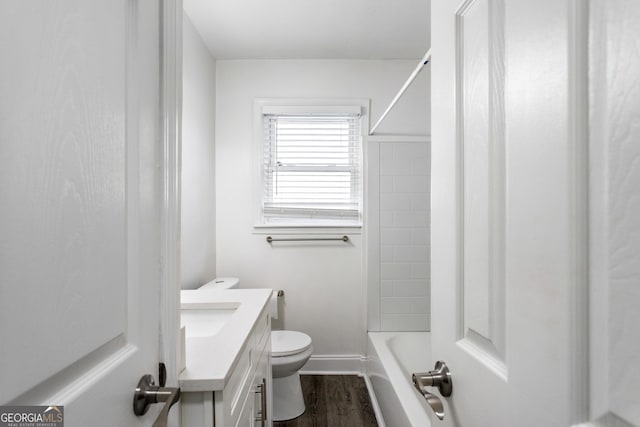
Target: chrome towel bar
301	239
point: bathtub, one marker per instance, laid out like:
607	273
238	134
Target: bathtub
391	359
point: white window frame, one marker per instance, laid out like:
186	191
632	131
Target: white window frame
300	106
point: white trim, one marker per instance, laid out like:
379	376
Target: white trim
302	103
341	364
311	109
604	213
170	113
599	161
372	236
579	169
398	138
306	229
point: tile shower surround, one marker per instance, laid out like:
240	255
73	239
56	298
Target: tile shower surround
404	236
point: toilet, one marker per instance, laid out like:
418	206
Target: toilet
220	283
290	350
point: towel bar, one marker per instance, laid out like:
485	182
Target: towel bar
301	239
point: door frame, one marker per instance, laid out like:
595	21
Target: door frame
596	332
580	285
170	110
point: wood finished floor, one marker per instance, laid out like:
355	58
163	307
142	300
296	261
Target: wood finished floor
334	401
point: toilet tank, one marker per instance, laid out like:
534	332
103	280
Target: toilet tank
221	283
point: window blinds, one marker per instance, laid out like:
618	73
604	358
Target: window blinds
312	168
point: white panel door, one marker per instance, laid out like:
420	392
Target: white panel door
509	210
80	195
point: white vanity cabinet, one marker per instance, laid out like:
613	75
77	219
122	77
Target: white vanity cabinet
245	399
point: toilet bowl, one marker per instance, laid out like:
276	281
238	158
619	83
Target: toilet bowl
290	350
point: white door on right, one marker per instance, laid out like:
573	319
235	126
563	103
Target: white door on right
536	211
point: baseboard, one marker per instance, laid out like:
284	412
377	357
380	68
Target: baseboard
343	364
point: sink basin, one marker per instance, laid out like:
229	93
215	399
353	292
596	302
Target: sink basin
204	322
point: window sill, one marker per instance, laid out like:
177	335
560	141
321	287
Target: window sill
307	229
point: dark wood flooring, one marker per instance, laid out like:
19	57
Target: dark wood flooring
334	401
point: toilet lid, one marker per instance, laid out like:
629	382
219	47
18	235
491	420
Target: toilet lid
286	343
220	283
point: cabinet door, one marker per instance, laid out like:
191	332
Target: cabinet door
246	416
256	411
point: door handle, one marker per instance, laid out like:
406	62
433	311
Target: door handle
262	390
147	393
440	377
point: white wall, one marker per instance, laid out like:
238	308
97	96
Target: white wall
198	262
324	285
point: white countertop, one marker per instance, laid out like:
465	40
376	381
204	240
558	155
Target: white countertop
210	360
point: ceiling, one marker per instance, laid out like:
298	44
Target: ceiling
312	29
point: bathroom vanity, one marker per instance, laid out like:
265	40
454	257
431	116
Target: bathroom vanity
227	379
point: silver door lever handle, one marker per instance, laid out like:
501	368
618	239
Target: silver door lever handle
441	378
147	393
433	401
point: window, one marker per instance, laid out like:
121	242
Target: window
311	166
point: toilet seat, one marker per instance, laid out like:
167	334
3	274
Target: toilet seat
287	343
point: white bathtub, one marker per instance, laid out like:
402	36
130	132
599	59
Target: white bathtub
391	359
